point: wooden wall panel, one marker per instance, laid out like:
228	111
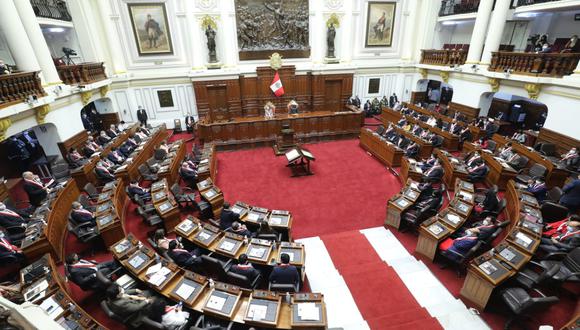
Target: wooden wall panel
110	118
417	97
497	106
563	142
204	103
75	141
470	112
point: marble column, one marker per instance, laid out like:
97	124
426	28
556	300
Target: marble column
494	33
109	20
411	12
479	31
346	27
193	25
17	40
41	51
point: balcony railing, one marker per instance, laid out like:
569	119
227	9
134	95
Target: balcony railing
449	7
84	73
54	9
535	64
532	2
443	57
18	87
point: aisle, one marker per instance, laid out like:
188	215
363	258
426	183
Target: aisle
371	282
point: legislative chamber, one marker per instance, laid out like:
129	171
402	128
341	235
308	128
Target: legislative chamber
289	164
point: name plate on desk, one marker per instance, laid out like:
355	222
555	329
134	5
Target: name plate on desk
188	290
221	303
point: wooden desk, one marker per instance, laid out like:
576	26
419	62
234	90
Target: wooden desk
208	165
111	224
410	170
169	169
556	175
499	171
425	147
385	151
397	205
198	299
166	206
257	131
453	168
279	220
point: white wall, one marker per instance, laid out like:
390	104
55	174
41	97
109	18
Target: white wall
4	50
399	83
48	138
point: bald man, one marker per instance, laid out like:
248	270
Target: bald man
34	188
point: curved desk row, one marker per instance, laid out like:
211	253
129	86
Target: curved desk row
496	266
387	152
169	168
110	212
257	307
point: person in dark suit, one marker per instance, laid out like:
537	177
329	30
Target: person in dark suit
115	156
103	138
131	302
188	174
228	217
563	242
460	245
36	191
537	187
571	159
9	218
284	273
243	267
238	228
425	165
190	123
142	116
465	134
489	204
477	171
10	252
125	150
454	128
91	147
393	99
412	150
485	228
186	259
84	273
474	160
434	173
103	172
571	196
75	159
265	229
135	189
80	215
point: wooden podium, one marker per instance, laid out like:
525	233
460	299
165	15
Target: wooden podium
299	161
285	140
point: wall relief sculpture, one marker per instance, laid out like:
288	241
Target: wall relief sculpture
266	26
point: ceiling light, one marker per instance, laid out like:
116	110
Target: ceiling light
56	29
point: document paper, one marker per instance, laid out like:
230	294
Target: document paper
308	312
257	312
216	303
185	291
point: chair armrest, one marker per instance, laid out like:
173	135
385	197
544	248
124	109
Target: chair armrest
83	225
526	276
256	280
453	252
555	255
537	264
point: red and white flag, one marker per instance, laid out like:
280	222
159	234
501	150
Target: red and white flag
276	86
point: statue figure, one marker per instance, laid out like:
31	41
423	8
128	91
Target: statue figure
330	35
210	34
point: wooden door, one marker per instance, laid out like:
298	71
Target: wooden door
218	105
332	100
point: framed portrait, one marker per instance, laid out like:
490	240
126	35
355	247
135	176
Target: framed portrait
374	86
150	28
165	98
380	24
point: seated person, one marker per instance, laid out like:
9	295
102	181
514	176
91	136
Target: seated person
465	134
558	228
490	203
427	204
425	165
284	273
460	245
435	172
103	138
243	267
228	217
171	317
402	122
477	171
473	160
112	132
190	260
238	228
135	189
412	150
436	140
74	158
426	191
506	152
417	130
160	240
520	136
454	128
514	161
571	158
115	156
483	142
188	174
34	188
563	241
403	142
538	188
80	215
9	252
84	273
126	304
432	121
91	147
122	126
104	172
571	196
485	228
125	149
163	146
13	223
144	130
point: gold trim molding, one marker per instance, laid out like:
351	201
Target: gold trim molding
104	90
533	90
5	123
444	76
424	73
494	83
41	113
86	97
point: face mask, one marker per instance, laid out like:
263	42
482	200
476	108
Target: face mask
570	229
468	232
486	222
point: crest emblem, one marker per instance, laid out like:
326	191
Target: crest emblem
276	61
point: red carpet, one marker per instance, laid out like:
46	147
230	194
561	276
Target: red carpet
380	295
348	190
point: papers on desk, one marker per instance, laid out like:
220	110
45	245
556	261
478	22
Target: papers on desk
186	225
95	154
236	209
403	202
257	312
290	255
210	193
204	162
158	274
292	155
216	303
185	291
453	218
414	185
466	196
523	239
204	236
507	254
308	312
435	229
124	245
253	216
227	246
51	307
121	168
136	261
257	252
275	220
154	269
38	291
488	268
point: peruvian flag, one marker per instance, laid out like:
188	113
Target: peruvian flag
276	86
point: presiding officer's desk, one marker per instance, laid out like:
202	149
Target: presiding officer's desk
43	285
494	267
447	221
257	131
218	299
260	252
169	167
400	203
453	167
387	152
86	173
52	236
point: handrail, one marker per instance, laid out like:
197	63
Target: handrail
535	64
17	87
443	57
83	73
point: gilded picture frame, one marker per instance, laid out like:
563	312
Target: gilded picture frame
380	24
150	28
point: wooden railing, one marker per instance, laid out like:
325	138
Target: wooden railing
443	57
84	73
17	87
450	7
535	64
532	2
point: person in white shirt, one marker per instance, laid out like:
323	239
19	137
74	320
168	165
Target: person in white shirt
171	317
